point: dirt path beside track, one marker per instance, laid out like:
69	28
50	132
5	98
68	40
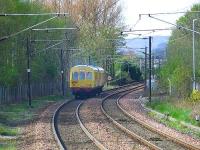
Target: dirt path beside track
38	134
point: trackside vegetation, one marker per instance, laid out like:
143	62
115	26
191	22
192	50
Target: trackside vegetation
13	114
92	38
181	114
178	68
96	35
127	70
184	103
182	111
13	51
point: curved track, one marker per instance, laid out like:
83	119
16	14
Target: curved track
74	119
184	144
70	134
67	126
150	138
103	130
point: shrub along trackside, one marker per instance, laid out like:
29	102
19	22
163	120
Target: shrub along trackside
181	111
166	107
195	96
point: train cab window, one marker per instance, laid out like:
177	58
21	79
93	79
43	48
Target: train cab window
75	76
82	76
89	75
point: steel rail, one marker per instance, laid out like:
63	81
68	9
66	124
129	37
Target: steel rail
56	132
153	129
131	134
123	86
85	130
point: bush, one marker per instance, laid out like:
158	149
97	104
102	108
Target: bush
195	96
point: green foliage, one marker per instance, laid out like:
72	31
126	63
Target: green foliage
135	73
9	75
7	131
126	70
133	70
13	53
16	112
7	146
181	114
176	125
179	56
97	43
195	96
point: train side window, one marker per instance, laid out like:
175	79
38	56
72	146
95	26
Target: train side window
89	75
82	76
75	76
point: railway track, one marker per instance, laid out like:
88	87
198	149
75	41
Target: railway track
67	127
136	129
81	125
103	130
177	140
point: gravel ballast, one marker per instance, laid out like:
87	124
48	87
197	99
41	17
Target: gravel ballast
71	133
110	106
103	130
134	107
38	135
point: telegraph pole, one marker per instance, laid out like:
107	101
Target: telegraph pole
153	71
159	63
28	72
140	64
89	59
145	68
62	72
150	68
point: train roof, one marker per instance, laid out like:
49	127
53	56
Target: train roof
96	68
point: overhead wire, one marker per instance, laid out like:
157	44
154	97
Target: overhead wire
144	30
178	26
50	40
48	47
136	22
171	41
49	29
169	13
26	29
34	14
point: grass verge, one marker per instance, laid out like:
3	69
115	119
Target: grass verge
7	145
8	131
181	110
177	112
14	113
175	125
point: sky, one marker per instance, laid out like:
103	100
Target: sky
132	9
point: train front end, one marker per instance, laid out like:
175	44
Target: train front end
81	80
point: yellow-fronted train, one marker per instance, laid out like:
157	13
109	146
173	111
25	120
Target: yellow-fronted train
86	80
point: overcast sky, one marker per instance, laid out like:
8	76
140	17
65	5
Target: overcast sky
132	9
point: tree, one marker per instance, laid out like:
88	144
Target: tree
99	24
45	65
179	55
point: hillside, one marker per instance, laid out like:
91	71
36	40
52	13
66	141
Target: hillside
159	44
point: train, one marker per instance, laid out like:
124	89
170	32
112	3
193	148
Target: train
87	80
